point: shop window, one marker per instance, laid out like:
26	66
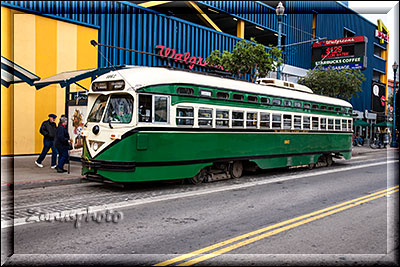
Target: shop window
287	121
184	116
330	124
297	122
205	117
222	95
222	118
237	119
287	103
306	123
253	99
265	100
323	123
377	51
297	104
276	102
264	120
238	97
251	119
276	121
185	91
315	122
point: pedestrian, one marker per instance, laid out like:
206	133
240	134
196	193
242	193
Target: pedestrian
62	143
48	130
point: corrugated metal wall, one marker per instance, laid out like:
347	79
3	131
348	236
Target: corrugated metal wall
127	25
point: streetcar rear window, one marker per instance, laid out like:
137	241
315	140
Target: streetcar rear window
98	109
119	109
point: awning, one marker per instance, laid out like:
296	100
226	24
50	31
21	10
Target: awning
361	123
383	124
13	73
68	77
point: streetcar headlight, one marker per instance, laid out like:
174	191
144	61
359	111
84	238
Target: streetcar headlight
95	145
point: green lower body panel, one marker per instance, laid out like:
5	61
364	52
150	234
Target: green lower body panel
162	155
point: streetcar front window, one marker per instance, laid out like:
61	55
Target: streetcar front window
98	109
119	109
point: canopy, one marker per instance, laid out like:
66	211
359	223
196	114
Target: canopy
383	124
361	123
13	73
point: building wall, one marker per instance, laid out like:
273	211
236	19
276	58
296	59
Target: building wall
44	46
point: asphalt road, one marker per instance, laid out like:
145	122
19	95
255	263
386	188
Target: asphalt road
326	216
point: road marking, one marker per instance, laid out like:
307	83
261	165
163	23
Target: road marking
276	228
131	203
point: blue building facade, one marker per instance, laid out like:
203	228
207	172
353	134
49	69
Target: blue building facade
132	25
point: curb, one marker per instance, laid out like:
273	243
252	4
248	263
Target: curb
46	183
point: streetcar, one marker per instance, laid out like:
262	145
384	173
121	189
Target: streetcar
159	123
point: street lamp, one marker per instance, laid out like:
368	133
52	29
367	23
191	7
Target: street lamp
280	9
394	143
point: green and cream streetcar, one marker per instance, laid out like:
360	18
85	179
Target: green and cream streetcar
155	123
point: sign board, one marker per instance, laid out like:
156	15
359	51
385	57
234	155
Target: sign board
378	97
76	117
348	53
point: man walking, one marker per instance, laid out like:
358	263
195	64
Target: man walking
48	130
62	144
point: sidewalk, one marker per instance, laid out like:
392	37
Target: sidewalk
27	175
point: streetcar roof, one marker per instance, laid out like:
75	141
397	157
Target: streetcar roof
139	77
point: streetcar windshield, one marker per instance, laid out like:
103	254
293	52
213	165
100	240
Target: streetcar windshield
98	109
119	109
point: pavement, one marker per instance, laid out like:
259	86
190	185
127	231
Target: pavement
21	172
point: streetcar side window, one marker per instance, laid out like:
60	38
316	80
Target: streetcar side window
222	95
251	119
145	108
323	123
184	116
222	118
276	121
297	104
205	117
349	122
330	124
287	121
160	109
264	120
185	91
238	97
315	107
330	108
253	99
315	123
276	102
306	106
297	122
287	103
237	119
265	100
306	122
344	125
337	125
323	107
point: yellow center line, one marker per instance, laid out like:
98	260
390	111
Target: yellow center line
229	241
274	232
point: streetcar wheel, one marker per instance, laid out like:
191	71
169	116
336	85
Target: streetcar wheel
199	178
329	160
311	166
236	169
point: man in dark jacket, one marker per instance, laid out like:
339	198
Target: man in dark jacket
62	144
48	130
